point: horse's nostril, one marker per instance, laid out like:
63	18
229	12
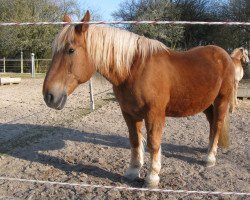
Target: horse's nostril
49	98
55	100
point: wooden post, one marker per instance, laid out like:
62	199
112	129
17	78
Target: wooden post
21	62
4	65
33	65
92	102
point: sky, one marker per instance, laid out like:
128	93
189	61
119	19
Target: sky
103	7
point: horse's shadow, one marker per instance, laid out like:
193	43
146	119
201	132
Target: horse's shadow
180	152
37	132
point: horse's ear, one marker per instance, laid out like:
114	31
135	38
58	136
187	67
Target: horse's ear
242	49
67	19
86	18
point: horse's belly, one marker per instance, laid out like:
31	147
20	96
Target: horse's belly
183	106
186	108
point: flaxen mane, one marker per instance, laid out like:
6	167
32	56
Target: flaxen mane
67	35
240	53
109	46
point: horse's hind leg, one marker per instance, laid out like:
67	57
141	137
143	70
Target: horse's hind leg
137	147
236	93
154	125
209	112
219	129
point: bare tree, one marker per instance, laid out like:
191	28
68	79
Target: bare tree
152	10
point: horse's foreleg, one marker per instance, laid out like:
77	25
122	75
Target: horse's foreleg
137	146
154	124
219	131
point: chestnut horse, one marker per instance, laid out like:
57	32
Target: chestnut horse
240	58
149	80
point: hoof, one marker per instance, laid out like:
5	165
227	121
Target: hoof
151	181
132	174
210	161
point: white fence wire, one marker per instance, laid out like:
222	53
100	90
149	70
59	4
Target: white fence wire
125	188
127	22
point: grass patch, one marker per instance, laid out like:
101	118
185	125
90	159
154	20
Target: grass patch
23	75
2	154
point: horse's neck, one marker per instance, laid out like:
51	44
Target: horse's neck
112	77
118	78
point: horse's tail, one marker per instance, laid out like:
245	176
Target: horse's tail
232	103
224	134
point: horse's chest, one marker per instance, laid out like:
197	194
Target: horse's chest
130	103
238	73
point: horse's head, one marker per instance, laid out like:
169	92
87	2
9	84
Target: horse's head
70	65
245	58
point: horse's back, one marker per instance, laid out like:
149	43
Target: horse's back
202	63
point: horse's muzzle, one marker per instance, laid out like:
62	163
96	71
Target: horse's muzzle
55	101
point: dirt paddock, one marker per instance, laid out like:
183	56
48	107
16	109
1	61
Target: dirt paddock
78	146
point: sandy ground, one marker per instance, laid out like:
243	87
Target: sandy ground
76	145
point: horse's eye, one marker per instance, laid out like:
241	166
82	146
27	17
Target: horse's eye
70	51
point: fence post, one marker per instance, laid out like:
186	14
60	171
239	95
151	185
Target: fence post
32	65
21	62
37	65
92	102
4	65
